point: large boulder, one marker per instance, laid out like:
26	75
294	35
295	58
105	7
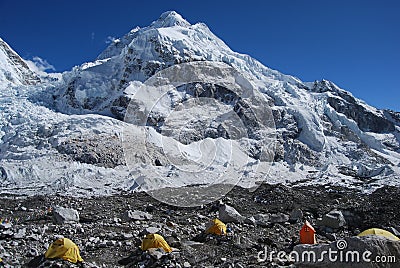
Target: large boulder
279	218
354	252
262	219
296	215
333	220
230	214
136	215
63	215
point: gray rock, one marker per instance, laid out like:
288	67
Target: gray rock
279	218
250	220
156	253
150	208
5	225
63	215
230	214
126	236
103	150
192	244
151	230
331	237
262	219
111	243
20	234
394	231
137	215
351	218
296	215
32	252
173	241
6	234
333	220
34	237
102	244
3	174
356	252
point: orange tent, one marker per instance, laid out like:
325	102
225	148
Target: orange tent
307	234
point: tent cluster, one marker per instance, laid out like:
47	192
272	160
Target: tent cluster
307	234
64	248
214	227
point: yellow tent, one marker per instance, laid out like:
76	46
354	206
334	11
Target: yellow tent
216	227
379	232
65	249
155	241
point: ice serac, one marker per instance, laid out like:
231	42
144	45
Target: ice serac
67	134
13	69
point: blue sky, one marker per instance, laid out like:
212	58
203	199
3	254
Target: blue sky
355	43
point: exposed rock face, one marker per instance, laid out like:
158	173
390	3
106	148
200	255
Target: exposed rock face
346	104
101	150
366	120
3	173
119	106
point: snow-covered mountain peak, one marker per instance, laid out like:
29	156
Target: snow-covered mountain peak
170	37
13	69
323	133
169	19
